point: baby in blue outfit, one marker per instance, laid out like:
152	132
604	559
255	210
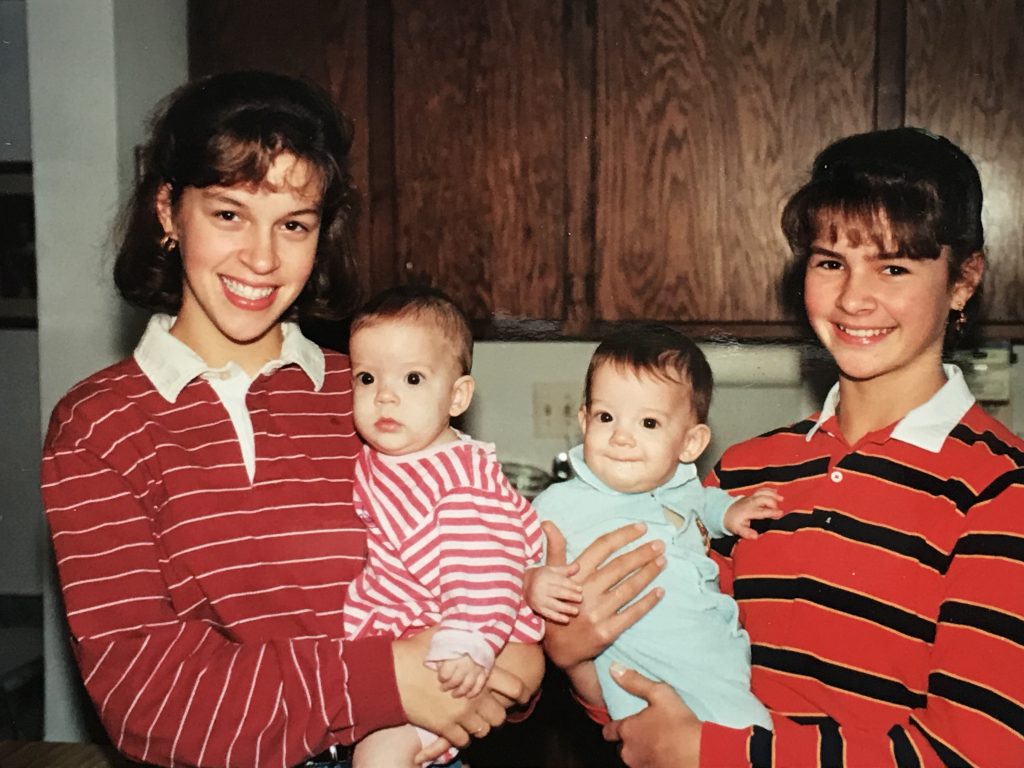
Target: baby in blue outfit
646	399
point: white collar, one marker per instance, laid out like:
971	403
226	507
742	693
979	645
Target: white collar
926	426
170	364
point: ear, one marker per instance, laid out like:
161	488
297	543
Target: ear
697	438
462	395
165	210
971	273
581	417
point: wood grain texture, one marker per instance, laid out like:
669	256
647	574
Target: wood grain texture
708	116
479	152
36	754
580	160
323	41
965	80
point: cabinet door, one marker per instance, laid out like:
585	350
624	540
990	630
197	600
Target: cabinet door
965	80
479	120
709	114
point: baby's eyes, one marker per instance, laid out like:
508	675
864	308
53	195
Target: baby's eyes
604	417
650	423
364	378
413	378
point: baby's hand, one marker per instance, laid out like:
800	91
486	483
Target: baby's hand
462	676
761	504
551	593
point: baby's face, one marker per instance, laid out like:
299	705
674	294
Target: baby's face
405	383
637	429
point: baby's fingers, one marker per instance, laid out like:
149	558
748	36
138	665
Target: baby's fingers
570	594
477	686
560	613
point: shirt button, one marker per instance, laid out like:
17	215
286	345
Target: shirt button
836	476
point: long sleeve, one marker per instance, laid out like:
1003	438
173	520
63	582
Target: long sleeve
973	711
716	502
482	552
449	541
953	692
180	677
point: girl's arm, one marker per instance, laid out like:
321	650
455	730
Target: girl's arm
173	689
974	706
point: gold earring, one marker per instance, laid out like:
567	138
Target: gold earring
960	321
168	244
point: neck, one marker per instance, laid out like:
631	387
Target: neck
219	351
869	405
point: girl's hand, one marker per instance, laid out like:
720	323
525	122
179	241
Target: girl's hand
461	676
551	593
666	734
513	682
607	588
760	505
429	707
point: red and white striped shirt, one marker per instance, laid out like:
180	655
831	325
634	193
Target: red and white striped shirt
449	540
205	608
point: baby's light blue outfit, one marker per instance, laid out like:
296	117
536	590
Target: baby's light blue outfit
692	638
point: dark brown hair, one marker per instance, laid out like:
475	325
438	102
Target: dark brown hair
659	351
421	302
920	188
228	129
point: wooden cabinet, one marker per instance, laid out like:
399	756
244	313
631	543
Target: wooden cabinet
708	114
559	165
965	80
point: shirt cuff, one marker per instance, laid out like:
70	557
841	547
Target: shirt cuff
372	686
598	714
452	643
720	745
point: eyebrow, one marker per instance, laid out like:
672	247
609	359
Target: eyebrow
224	197
882	255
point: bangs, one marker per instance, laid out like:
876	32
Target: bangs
902	220
234	161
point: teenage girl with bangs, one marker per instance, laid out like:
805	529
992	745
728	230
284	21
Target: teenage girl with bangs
199	493
885	608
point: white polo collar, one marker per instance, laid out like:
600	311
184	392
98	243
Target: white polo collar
928	425
170	364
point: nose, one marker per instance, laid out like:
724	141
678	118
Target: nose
261	255
856	295
385	394
621	436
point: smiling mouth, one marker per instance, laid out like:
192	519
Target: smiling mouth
248	292
864	333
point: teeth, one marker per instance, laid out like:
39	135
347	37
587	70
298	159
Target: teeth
864	333
246	291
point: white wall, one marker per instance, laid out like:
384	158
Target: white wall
96	68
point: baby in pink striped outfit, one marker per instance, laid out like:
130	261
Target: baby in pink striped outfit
448	538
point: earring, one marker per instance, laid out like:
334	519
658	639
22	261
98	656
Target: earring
168	244
960	321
